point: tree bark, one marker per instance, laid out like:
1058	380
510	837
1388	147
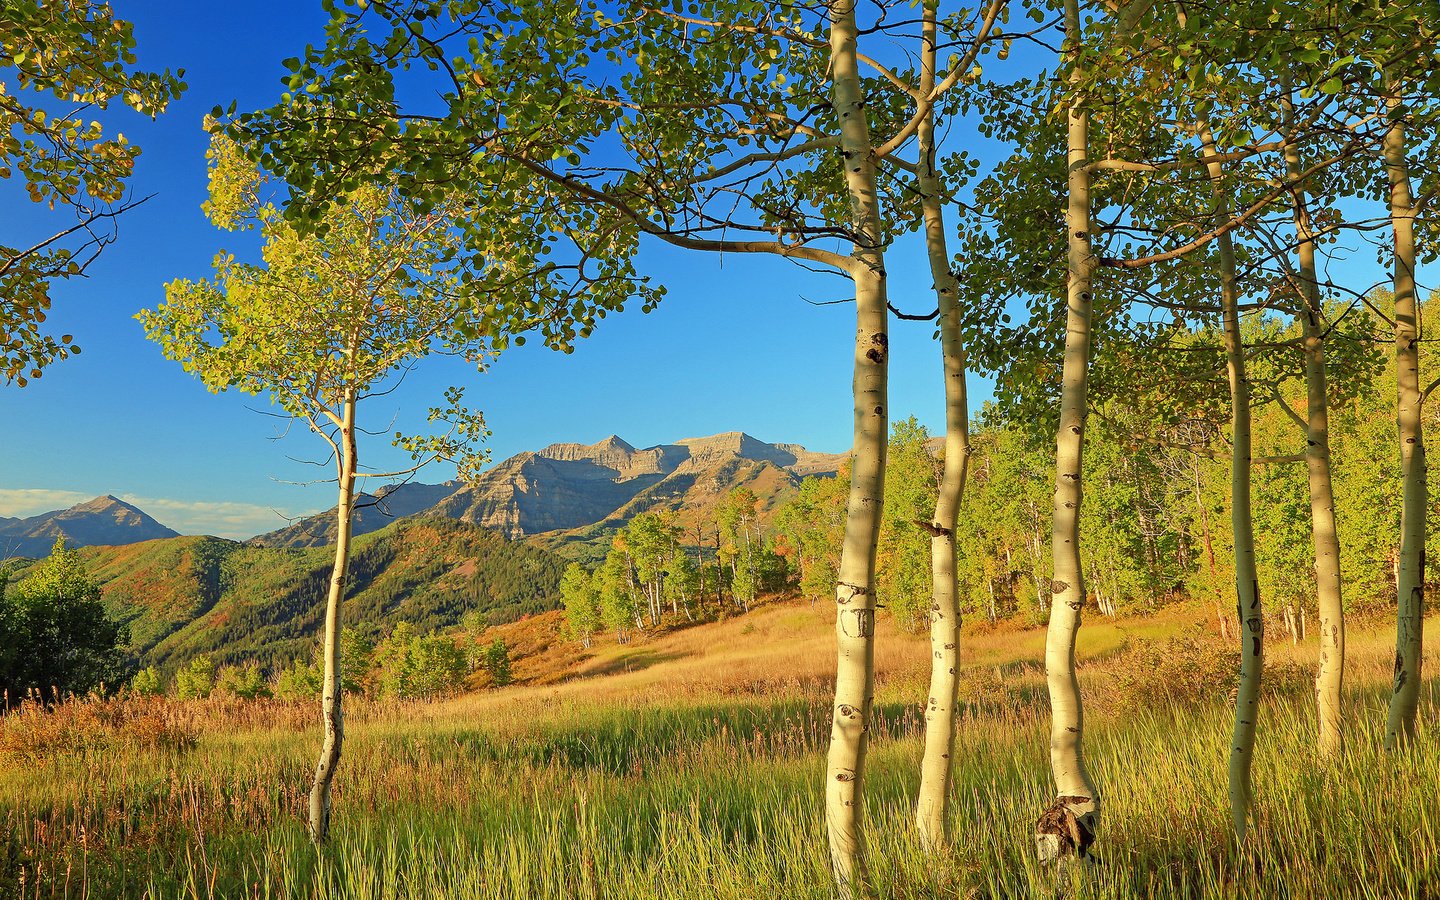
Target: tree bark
331	710
1330	674
932	809
1410	587
1076	810
1247	586
1210	552
855	592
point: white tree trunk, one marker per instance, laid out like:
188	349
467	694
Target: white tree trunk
1410	587
1330	674
1071	822
331	710
932	808
855	592
1247	585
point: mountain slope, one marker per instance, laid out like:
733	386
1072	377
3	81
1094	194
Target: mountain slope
105	520
574	487
372	513
240	603
574	494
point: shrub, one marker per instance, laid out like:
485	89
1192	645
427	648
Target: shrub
147	683
34	732
244	682
1189	669
497	662
195	681
1181	671
412	667
299	682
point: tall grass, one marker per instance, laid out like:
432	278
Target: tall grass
548	793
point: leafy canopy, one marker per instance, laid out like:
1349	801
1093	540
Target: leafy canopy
77	52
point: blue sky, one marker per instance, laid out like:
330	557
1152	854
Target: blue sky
733	347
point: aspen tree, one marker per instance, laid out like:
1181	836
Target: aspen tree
773	157
1330	676
320	326
60	64
1075	814
1410	588
933	800
1249	613
855	591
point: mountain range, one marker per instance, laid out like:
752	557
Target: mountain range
570	496
424	553
105	520
567	497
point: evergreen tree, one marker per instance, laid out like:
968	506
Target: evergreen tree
58	638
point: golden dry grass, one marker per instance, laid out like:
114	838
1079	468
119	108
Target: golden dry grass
687	765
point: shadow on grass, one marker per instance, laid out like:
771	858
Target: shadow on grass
628	741
635	660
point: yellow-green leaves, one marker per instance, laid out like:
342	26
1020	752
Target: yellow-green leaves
324	316
78	52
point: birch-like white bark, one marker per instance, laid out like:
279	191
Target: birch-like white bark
1410	587
331	710
1076	810
1247	586
936	766
1330	674
855	593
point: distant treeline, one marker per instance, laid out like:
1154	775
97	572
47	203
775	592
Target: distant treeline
1156	519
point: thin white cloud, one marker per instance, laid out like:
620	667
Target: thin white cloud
220	518
21	503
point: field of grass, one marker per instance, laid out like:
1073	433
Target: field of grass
690	766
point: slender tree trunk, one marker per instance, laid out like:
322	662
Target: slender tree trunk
1071	822
1410	587
932	810
330	700
1330	675
1037	570
719	579
855	591
1210	553
700	568
1247	585
749	564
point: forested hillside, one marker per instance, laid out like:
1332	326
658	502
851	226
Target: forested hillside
1157	507
187	596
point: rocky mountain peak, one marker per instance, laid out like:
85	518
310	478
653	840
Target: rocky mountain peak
105	520
612	449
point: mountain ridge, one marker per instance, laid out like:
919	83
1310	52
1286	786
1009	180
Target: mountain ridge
105	520
566	491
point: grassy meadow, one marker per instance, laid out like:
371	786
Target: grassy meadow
690	766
